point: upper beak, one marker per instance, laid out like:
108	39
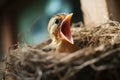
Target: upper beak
65	29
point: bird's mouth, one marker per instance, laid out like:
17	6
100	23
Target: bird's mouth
65	29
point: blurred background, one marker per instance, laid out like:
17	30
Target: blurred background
27	20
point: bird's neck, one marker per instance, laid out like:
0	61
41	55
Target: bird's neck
63	46
57	42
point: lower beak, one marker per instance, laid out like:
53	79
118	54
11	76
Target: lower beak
65	29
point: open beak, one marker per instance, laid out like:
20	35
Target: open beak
65	29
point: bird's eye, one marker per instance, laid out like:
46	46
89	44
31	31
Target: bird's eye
57	21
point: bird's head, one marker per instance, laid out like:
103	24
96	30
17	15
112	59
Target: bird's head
59	27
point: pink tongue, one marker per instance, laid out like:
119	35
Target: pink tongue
66	30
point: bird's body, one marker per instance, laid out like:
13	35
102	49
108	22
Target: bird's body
59	30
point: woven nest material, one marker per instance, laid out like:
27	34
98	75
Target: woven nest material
97	59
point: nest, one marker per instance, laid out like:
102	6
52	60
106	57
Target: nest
97	59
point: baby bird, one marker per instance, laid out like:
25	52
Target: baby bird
59	30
